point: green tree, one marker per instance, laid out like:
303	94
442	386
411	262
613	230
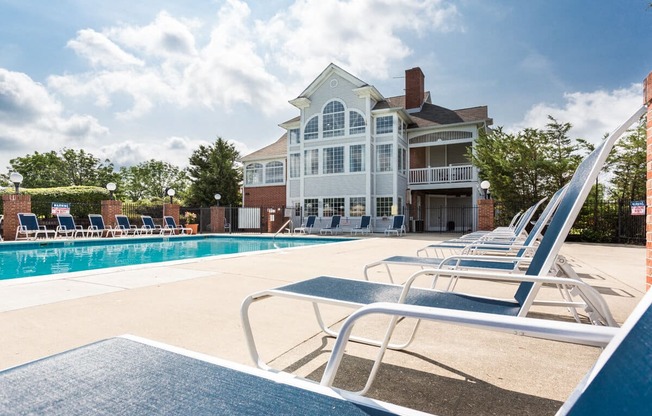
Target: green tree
149	179
68	167
627	163
525	166
214	169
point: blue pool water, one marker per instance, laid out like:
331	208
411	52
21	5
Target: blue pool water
51	257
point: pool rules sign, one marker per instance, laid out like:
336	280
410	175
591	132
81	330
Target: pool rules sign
60	208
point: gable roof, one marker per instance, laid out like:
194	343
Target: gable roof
276	150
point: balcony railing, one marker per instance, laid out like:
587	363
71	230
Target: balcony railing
446	174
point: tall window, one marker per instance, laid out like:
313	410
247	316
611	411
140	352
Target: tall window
384	158
254	174
384	124
333	119
311	160
356	158
357	206
311	131
356	123
295	165
384	206
274	172
333	159
333	206
311	206
295	136
402	160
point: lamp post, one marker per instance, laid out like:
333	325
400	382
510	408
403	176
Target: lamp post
16	178
217	199
111	187
485	185
170	193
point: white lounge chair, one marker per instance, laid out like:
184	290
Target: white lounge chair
100	229
307	227
333	227
357	293
171	224
29	227
397	227
148	224
122	223
364	227
68	228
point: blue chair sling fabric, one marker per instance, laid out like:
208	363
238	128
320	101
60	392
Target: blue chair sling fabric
333	227
364	227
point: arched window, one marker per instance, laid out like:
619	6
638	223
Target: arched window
254	174
356	123
333	119
274	172
311	131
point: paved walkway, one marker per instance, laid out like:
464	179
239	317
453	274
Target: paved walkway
195	305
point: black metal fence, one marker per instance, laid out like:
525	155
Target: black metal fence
609	222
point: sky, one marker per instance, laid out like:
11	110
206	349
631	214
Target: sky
131	81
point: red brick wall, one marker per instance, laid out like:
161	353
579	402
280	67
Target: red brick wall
12	205
647	93
485	214
217	219
172	210
264	196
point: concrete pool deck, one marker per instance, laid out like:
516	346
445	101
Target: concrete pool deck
195	305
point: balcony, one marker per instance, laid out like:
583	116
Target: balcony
439	175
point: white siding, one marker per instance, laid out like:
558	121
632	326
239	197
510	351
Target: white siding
295	188
337	185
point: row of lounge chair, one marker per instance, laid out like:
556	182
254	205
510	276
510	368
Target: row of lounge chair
139	375
364	226
29	228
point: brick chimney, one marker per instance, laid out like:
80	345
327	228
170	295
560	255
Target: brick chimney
414	88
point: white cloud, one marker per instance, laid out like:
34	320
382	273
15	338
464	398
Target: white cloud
592	114
31	119
364	35
101	51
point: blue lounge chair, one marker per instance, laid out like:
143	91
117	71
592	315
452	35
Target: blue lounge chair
134	376
364	227
357	293
618	384
29	227
68	228
397	227
98	227
148	224
126	227
171	224
308	226
333	227
507	256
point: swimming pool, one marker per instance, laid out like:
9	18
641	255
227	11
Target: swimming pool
38	258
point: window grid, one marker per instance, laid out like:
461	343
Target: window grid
311	206
311	131
333	206
274	172
311	158
384	206
333	159
384	158
357	124
356	158
333	120
295	136
254	174
357	206
384	125
402	160
295	165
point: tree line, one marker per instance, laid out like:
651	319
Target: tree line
211	169
527	165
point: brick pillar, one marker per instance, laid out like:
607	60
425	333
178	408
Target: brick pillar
111	208
12	205
647	94
218	218
485	214
274	219
172	210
